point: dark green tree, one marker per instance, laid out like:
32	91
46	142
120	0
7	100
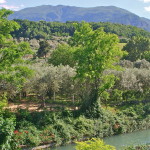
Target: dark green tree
43	49
137	47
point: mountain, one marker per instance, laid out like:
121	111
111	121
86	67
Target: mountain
71	13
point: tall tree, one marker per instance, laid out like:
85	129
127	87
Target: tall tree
138	48
96	51
12	62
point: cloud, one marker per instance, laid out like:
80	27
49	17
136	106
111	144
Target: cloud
146	1
147	8
10	7
2	1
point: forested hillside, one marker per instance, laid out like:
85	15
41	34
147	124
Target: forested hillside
62	13
45	30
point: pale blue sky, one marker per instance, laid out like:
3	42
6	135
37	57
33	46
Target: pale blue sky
139	7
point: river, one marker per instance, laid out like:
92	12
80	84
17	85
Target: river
135	138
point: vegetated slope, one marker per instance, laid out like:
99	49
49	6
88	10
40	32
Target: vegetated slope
70	13
45	30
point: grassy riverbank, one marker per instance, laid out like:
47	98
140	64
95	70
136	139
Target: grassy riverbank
26	128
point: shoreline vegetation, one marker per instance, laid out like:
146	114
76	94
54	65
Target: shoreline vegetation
48	146
64	127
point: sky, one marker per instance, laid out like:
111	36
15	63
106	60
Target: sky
139	7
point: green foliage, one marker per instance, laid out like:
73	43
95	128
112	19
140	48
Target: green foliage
34	128
3	101
64	55
96	52
27	135
146	55
12	64
7	127
45	30
138	48
43	49
94	144
82	125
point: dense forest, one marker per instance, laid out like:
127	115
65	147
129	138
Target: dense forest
95	82
45	30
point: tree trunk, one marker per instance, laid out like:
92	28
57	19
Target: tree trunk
54	96
92	104
73	98
20	96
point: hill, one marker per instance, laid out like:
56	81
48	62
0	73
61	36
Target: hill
62	13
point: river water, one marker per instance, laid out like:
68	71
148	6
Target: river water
119	141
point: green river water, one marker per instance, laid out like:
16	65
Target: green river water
135	138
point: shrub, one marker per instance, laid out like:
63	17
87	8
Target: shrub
27	134
62	130
3	101
7	127
48	134
94	144
84	126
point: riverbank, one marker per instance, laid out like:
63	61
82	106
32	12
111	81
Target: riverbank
63	127
120	142
32	129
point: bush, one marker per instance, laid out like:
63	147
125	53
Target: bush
7	127
94	144
3	101
27	134
62	131
84	126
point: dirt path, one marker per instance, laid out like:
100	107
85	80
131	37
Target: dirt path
35	106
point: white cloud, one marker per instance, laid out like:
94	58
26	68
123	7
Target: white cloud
2	1
146	1
147	8
10	7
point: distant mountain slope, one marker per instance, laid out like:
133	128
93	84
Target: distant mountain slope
70	13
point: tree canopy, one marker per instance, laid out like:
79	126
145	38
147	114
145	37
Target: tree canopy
138	48
12	62
95	52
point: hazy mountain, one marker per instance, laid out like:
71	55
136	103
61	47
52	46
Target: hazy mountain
70	13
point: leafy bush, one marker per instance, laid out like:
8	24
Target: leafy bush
27	134
3	101
7	127
94	144
48	134
84	126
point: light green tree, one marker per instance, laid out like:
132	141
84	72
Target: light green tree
12	63
94	144
64	55
96	51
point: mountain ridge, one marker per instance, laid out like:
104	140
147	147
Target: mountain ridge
63	13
